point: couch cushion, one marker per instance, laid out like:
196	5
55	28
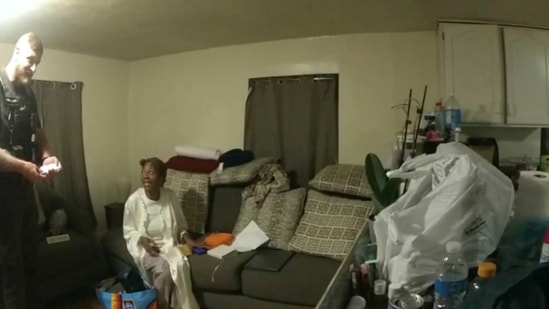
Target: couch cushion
348	179
227	276
192	190
301	281
278	215
224	208
56	258
115	244
330	225
216	300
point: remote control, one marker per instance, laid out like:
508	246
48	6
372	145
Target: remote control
50	167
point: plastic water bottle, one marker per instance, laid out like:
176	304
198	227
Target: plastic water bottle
440	119
356	302
457	134
453	116
544	258
486	271
451	281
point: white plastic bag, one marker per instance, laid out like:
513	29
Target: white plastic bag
454	194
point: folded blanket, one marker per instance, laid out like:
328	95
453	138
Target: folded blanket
244	173
235	157
193	165
198	152
271	178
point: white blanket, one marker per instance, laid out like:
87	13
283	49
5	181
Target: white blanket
198	152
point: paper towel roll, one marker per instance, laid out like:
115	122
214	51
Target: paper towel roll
532	196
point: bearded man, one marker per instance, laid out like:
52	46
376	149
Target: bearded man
23	149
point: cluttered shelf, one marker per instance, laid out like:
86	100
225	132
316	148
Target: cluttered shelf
460	211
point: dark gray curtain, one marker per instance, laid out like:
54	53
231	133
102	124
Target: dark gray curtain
295	119
60	108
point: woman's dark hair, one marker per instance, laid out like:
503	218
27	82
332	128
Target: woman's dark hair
157	164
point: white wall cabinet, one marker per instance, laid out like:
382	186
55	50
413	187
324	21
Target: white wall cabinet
527	76
471	66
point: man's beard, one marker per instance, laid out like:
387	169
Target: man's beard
22	77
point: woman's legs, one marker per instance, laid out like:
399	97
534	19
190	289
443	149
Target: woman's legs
159	271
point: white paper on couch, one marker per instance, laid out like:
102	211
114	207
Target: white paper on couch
249	239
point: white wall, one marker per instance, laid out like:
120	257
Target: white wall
105	122
145	108
199	97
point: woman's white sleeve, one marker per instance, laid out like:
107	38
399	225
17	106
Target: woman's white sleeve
130	227
179	216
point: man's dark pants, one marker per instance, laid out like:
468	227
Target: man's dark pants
18	242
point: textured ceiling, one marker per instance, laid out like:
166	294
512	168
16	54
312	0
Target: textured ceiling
136	29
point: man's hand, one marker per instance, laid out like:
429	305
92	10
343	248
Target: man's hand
30	171
149	246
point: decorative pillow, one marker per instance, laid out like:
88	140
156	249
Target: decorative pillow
346	179
192	190
248	212
277	216
58	221
244	173
330	225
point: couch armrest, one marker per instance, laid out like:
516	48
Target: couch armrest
114	215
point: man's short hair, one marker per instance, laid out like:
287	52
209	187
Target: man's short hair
33	41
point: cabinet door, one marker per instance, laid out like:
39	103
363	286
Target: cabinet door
526	57
471	62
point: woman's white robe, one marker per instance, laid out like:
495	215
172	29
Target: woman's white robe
135	216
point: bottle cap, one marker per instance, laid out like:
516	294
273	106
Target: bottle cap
453	246
380	287
486	270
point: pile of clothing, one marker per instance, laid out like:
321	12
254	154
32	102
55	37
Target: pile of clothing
205	160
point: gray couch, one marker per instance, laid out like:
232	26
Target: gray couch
299	284
67	266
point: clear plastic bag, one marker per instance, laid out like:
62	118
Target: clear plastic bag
454	194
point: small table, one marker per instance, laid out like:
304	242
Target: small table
114	214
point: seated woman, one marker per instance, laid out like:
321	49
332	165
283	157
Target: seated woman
153	226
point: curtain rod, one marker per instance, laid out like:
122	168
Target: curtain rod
484	22
281	80
314	78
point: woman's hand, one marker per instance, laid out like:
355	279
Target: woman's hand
149	245
191	242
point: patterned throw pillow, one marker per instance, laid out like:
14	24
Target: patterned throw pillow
244	173
330	225
346	179
277	216
192	190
